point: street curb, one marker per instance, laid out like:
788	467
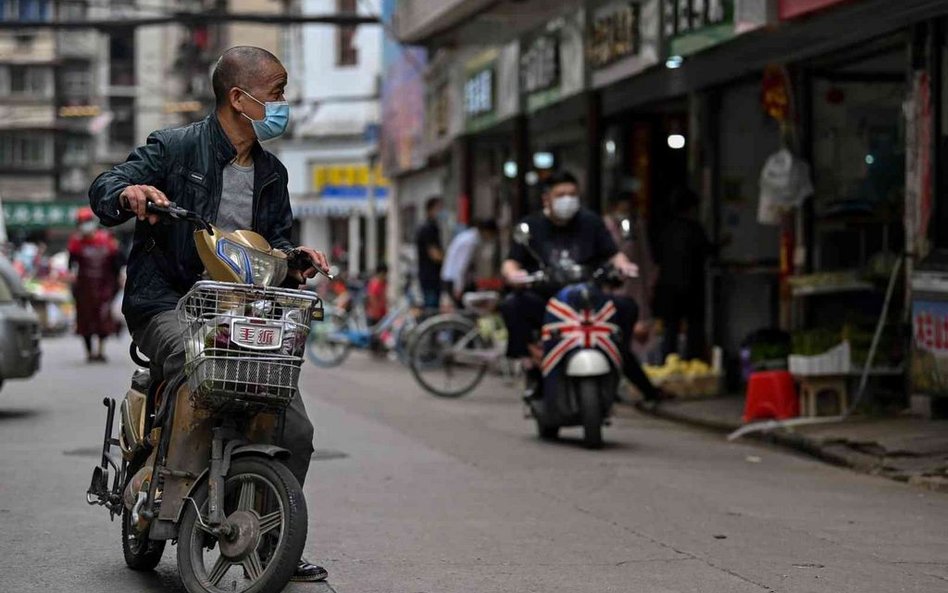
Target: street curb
859	462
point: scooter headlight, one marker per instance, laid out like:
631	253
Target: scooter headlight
267	270
252	266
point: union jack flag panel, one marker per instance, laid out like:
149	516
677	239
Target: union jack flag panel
566	329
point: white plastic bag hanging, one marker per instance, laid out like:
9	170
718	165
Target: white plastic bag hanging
784	183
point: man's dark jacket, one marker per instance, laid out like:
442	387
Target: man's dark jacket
187	165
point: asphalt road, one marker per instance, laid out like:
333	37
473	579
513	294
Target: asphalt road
412	494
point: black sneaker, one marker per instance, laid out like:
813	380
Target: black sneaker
309	573
534	390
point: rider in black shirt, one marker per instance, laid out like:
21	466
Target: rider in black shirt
564	230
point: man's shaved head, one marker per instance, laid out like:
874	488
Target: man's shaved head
241	67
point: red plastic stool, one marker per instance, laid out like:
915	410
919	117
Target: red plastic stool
771	395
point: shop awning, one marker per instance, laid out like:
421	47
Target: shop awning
337	207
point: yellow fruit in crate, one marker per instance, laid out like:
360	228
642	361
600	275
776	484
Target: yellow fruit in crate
698	367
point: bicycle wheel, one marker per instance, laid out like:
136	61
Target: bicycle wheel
403	337
448	356
327	345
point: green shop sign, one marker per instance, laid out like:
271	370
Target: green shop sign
40	215
693	25
480	91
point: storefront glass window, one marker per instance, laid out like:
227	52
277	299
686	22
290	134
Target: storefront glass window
859	160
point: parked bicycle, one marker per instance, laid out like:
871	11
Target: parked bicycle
449	354
348	328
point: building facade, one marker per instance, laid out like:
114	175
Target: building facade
338	191
641	96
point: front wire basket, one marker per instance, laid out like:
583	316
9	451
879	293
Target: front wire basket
244	344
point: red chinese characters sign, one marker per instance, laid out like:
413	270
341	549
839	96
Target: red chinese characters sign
256	335
791	9
930	327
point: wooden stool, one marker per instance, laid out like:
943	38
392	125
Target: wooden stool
811	387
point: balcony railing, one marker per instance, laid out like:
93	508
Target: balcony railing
77	44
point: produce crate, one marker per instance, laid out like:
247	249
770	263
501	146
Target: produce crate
835	361
692	386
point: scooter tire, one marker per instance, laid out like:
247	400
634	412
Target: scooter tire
548	433
591	411
286	553
141	554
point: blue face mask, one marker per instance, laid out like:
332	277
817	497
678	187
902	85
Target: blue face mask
275	119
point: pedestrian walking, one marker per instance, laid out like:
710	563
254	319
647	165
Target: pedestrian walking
376	305
683	250
456	273
430	253
634	243
96	260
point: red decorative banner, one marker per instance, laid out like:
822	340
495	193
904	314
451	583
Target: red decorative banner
776	94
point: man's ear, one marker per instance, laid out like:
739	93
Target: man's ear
235	96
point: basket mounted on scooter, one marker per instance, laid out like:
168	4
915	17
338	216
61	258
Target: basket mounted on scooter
244	344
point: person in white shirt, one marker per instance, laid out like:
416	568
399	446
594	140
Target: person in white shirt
455	271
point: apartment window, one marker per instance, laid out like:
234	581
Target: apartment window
72	11
24	10
347	54
30	81
26	150
76	151
76	84
122	127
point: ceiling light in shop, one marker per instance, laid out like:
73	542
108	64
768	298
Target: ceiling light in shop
674	62
676	141
870	159
543	160
611	147
510	169
532	178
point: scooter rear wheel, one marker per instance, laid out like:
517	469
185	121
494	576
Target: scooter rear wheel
140	552
264	503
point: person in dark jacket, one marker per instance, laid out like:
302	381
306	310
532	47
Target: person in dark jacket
683	250
217	168
430	253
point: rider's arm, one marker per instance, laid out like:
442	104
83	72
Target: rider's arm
279	235
281	227
511	270
146	165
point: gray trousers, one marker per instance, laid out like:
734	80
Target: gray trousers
161	341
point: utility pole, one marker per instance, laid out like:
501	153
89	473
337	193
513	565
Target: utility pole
371	225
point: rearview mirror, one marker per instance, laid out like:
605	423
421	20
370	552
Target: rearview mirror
521	233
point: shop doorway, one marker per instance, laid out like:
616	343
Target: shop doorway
646	155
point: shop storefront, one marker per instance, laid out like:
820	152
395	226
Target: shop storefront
559	121
491	104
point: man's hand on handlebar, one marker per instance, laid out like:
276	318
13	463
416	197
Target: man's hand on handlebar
135	199
625	267
318	260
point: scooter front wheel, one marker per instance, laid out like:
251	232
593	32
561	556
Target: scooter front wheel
266	513
591	411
